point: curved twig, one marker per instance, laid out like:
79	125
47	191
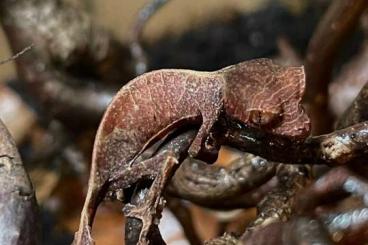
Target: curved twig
136	49
211	186
340	19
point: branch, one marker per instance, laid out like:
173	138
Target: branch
61	97
357	111
350	80
340	19
226	239
278	203
18	216
214	186
354	228
337	148
299	230
69	56
65	37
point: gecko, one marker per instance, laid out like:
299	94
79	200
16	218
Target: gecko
257	93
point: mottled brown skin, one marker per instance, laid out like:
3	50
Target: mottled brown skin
257	93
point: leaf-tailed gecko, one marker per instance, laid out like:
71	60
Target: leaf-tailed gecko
257	93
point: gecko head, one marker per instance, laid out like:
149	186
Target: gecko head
268	97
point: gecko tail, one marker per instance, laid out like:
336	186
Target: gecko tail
84	234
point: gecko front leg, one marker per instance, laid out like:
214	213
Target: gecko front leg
204	145
203	133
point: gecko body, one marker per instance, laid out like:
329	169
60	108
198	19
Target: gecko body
257	93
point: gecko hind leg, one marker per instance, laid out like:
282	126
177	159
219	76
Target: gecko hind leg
149	168
148	210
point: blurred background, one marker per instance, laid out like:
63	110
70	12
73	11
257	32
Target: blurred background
174	19
201	35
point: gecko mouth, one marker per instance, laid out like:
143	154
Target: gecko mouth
297	128
265	120
237	134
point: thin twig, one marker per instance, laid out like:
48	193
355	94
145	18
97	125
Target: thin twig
17	55
278	204
136	49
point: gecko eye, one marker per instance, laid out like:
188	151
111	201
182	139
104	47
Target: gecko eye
264	118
